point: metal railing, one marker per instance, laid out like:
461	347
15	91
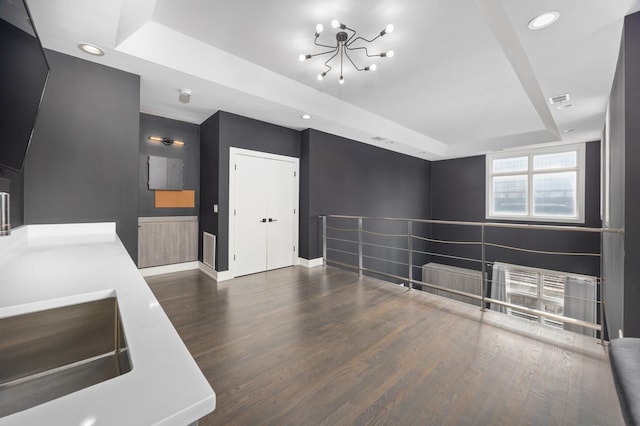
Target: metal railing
344	244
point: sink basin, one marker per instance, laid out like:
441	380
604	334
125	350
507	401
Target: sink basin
51	353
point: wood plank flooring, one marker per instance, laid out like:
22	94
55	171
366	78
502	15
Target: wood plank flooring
321	346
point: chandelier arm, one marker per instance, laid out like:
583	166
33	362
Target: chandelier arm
352	36
326	64
362	38
366	51
333	49
323	45
352	63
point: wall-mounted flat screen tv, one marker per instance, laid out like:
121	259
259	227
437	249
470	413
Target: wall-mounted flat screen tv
23	76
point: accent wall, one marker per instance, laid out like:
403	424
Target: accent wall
82	165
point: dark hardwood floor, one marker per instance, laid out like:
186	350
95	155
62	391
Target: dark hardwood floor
300	346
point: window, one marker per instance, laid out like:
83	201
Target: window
535	289
560	293
543	184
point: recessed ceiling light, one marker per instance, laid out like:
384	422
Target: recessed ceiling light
91	49
305	117
544	20
570	130
565	106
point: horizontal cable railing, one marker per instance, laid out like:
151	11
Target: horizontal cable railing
396	248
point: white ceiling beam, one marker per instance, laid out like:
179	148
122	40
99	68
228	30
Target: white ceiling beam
498	20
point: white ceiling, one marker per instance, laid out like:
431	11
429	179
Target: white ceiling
468	76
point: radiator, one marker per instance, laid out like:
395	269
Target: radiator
209	249
454	278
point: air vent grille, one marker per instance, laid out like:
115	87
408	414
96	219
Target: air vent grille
378	138
209	249
558	99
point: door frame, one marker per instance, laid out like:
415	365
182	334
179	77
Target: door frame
233	152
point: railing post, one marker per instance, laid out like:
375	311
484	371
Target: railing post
410	252
324	240
483	286
360	246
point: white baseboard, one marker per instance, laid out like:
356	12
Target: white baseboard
167	269
310	263
218	276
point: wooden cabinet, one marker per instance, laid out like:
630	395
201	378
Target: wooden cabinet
166	240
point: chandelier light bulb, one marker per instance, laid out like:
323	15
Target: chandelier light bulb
341	80
335	23
373	67
319	28
301	57
388	29
321	75
390	54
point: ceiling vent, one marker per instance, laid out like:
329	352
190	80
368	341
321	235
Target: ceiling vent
559	99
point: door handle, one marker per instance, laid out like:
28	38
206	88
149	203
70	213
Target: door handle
263	220
272	219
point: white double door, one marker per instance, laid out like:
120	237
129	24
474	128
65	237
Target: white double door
265	211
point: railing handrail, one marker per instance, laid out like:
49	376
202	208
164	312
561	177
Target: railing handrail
486	224
482	297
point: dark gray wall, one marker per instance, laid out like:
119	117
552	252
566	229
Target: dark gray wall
632	175
82	164
344	177
238	132
622	254
209	157
151	125
458	193
613	247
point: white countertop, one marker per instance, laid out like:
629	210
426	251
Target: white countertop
44	266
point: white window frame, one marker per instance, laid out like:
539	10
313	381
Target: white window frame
540	273
539	296
530	153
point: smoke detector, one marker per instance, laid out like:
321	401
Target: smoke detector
185	96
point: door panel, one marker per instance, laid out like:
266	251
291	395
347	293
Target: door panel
251	192
280	213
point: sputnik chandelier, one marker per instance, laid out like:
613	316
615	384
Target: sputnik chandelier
344	45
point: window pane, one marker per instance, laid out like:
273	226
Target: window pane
553	286
553	306
522	281
516	164
556	160
510	195
554	194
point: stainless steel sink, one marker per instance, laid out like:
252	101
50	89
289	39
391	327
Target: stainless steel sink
48	354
